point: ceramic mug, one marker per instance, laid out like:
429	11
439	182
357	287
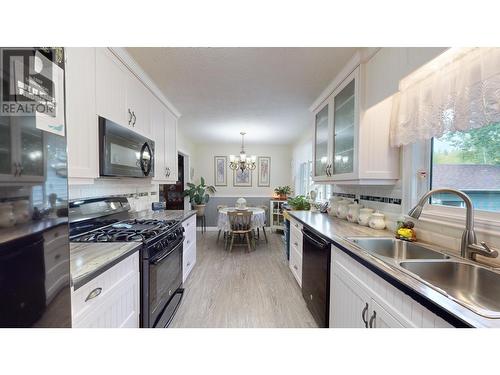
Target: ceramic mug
377	221
364	216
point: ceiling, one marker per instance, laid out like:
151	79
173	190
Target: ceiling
222	91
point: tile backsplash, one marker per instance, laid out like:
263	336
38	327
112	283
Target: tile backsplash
140	194
385	199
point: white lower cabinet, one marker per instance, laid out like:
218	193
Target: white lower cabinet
111	300
189	247
361	299
295	262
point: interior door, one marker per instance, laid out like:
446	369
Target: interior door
349	301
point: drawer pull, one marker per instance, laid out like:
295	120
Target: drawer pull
365	319
93	294
372	319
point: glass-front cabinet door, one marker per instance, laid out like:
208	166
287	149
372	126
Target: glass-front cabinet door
345	127
321	138
32	148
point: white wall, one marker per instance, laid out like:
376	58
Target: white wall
280	167
301	152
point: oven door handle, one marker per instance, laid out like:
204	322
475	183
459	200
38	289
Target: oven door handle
156	261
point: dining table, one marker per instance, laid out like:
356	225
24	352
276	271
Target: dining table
258	217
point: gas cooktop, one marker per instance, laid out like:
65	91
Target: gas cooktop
128	231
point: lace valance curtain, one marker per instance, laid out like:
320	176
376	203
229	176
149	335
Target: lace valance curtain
457	92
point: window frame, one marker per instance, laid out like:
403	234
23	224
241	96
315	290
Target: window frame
418	157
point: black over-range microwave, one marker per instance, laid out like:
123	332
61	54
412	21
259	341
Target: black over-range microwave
123	152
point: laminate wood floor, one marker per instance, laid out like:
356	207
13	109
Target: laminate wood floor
240	289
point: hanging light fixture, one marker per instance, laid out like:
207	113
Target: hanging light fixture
242	162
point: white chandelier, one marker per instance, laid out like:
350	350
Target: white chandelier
242	162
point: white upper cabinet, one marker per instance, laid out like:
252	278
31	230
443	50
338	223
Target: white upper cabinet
111	84
81	118
322	144
102	82
357	107
138	105
171	145
164	125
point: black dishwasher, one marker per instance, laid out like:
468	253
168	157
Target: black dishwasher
316	276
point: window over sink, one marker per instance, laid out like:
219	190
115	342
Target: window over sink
470	162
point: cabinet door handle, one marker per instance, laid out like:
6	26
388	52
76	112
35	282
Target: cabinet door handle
135	118
365	320
187	265
129	116
296	244
296	268
93	294
372	319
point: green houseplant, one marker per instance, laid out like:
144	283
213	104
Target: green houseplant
299	203
283	191
199	195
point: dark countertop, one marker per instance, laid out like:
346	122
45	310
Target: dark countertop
89	260
337	231
32	227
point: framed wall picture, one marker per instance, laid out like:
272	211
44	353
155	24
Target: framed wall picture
242	178
220	170
264	171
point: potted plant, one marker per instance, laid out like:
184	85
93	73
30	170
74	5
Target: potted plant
299	203
199	195
283	191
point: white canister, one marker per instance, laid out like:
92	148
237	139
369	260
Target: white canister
334	201
7	218
353	212
21	210
364	216
377	221
343	208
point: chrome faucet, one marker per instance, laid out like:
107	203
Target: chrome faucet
469	247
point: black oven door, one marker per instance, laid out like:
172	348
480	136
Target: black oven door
165	278
123	152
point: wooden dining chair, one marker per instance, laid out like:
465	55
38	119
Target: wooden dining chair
266	209
241	224
219	207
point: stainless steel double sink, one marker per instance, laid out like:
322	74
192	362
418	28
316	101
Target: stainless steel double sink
473	286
